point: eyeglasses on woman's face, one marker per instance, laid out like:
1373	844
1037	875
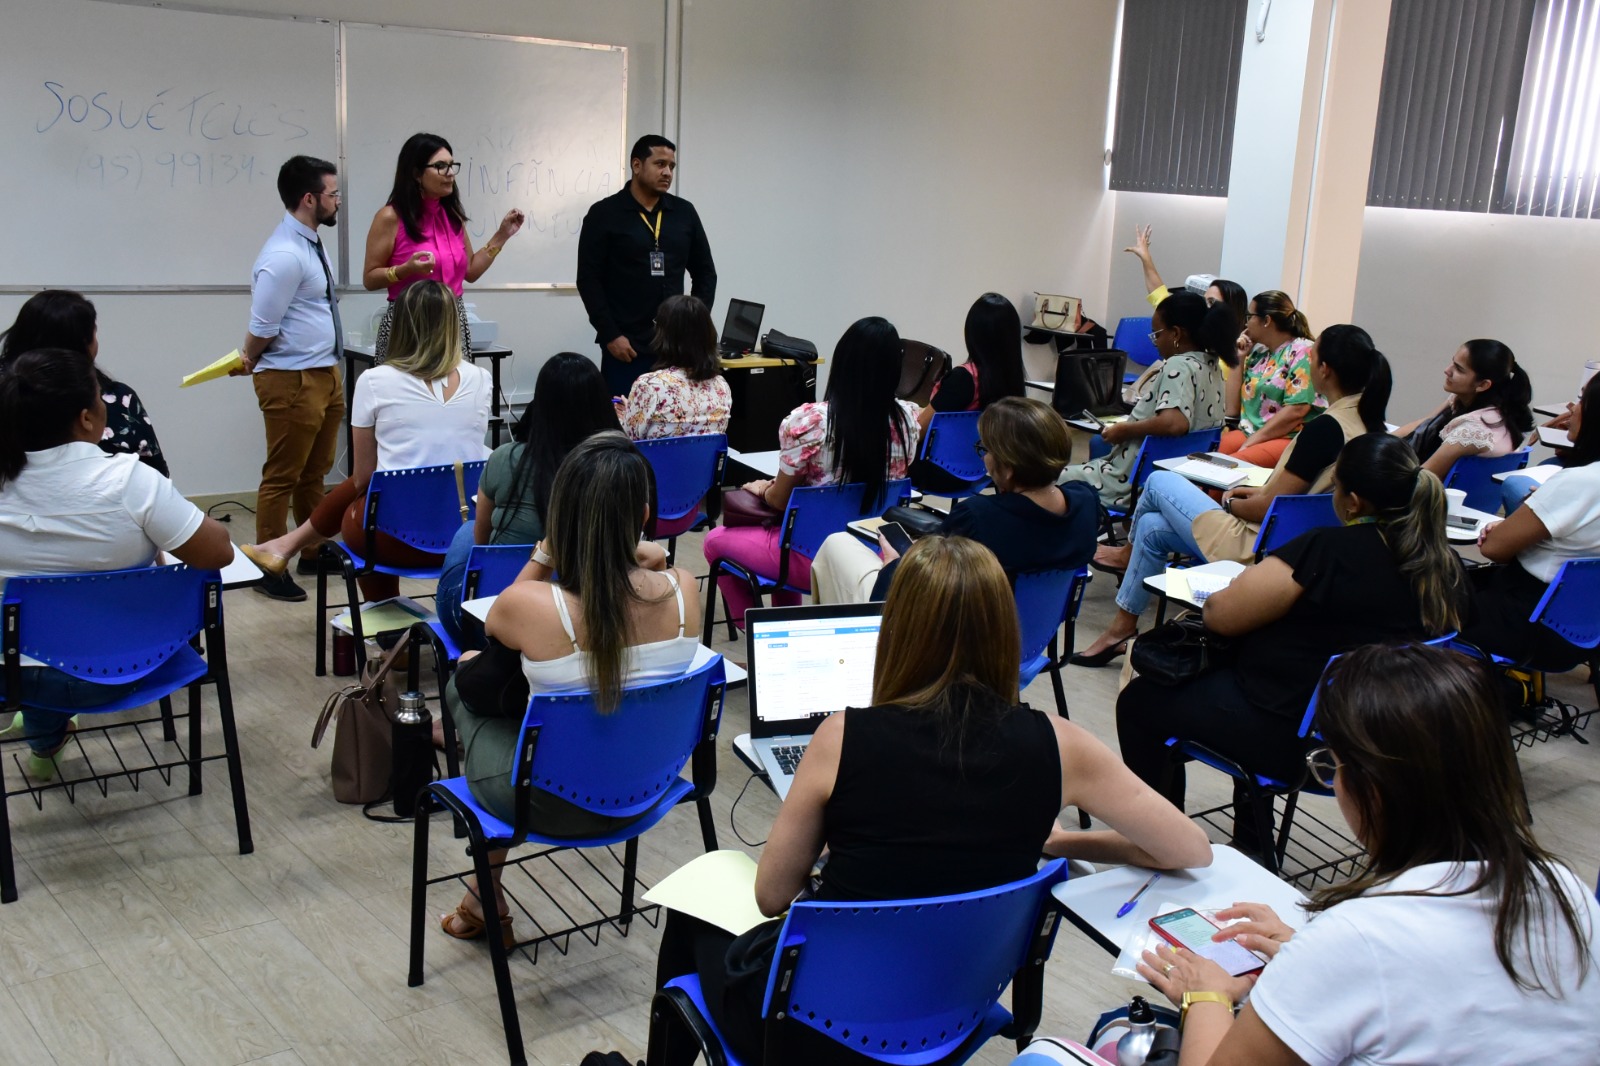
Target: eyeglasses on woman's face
1324	766
978	447
1158	333
443	169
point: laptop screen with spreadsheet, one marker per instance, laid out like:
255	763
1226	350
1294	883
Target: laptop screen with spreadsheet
808	662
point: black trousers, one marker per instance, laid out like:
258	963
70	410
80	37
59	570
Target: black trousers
1503	599
1212	710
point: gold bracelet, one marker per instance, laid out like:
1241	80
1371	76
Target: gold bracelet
492	250
392	274
1191	998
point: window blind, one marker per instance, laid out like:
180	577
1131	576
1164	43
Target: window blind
1555	155
1177	88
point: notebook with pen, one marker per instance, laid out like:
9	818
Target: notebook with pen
805	663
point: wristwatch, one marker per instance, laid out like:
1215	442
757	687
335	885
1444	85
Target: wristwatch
1191	998
1227	505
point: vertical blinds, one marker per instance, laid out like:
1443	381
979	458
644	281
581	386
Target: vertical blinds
1555	156
1447	111
1176	92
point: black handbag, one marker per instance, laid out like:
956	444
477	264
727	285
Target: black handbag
1177	652
916	521
782	346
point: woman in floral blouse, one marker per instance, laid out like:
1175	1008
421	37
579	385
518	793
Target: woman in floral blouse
686	395
61	318
1485	411
859	434
1273	397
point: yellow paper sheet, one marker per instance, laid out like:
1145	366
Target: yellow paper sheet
384	616
718	887
1257	476
1178	586
216	370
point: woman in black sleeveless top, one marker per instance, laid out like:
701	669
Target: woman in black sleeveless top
945	785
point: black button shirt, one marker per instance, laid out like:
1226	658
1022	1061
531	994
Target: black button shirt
614	277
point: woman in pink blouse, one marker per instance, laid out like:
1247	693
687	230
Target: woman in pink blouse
1485	411
421	233
860	433
686	394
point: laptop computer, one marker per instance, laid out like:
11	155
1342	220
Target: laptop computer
1090	383
805	663
740	330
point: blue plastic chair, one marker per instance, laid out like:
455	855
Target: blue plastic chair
1290	516
951	445
1475	475
1154	449
908	982
420	507
624	764
814	513
1047	600
490	568
688	470
146	624
1133	337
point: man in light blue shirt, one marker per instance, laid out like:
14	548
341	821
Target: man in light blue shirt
292	353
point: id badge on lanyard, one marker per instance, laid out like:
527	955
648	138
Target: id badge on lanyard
658	258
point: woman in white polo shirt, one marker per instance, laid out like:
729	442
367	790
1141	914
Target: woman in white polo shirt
1462	941
423	407
66	507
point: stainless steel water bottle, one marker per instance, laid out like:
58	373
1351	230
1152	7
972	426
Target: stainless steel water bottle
412	769
1134	1047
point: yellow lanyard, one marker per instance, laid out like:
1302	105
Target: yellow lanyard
655	231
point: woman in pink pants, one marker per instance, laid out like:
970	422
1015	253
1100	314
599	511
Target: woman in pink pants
859	434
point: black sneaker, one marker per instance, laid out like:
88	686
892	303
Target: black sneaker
322	564
280	587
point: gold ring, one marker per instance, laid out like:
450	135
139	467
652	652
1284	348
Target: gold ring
1169	967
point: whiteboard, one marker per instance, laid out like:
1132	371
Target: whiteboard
535	124
143	144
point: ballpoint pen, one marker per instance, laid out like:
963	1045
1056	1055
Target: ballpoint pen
1128	906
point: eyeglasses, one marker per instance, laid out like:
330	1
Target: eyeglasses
336	195
978	447
444	169
1324	766
1158	333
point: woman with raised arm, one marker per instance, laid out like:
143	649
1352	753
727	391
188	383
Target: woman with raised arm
944	785
421	234
1461	940
66	506
1221	291
1180	394
1485	410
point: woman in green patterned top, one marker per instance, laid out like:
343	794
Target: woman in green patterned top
1178	395
1273	396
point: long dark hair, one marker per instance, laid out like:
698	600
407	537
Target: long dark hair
1586	449
1349	352
864	417
993	334
597	510
1409	501
1420	737
1234	299
1211	328
570	403
53	318
1509	394
406	196
686	338
42	393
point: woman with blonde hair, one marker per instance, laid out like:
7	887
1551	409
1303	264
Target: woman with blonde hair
944	785
1030	523
424	407
1273	395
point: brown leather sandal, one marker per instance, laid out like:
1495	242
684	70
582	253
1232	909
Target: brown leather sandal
469	926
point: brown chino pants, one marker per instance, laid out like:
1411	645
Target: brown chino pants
302	411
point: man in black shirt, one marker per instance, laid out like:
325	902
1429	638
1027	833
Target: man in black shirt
632	254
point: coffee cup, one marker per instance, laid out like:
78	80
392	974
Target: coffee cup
1455	500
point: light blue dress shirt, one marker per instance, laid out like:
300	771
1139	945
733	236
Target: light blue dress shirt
289	301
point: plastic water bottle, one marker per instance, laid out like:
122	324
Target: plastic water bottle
412	769
1134	1047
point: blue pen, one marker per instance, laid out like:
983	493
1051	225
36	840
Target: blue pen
1128	906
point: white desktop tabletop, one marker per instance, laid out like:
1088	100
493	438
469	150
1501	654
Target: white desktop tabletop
762	462
1091	902
1161	585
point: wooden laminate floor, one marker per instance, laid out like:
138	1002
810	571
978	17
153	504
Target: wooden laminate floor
142	936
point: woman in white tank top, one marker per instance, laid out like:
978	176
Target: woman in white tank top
614	616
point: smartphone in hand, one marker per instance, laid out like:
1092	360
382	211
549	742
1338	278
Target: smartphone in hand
896	535
1188	928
